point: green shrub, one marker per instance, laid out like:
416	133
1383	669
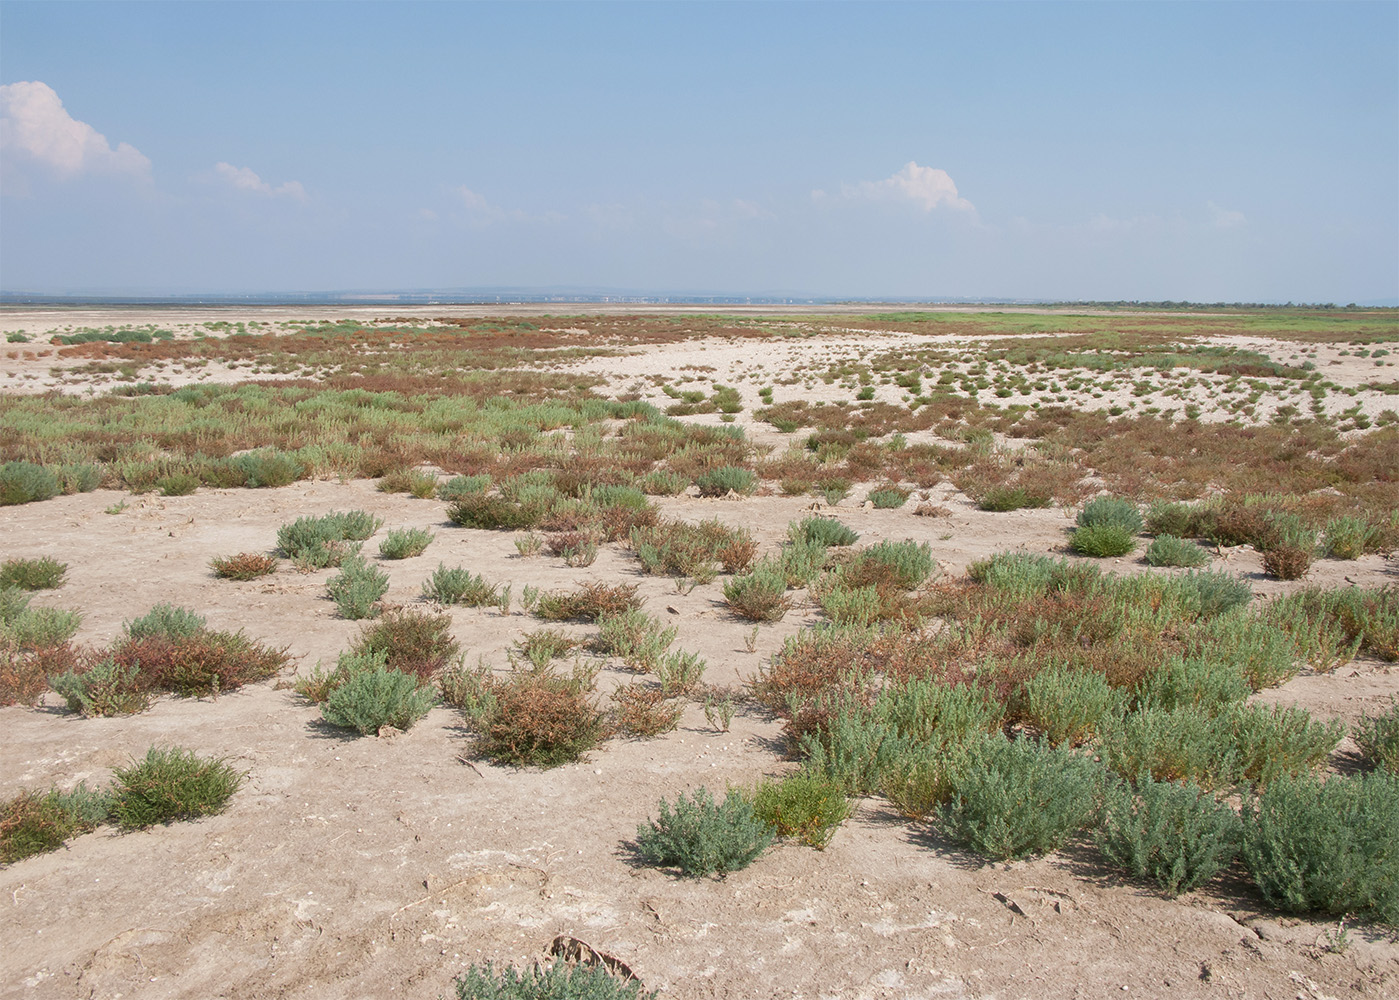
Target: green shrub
903	564
317	686
1165	517
166	621
725	479
663	483
702	837
1066	705
460	586
490	510
357	588
1017	798
801	561
170	784
318	542
1288	562
1378	738
404	543
1111	511
825	531
888	497
32	574
412	481
1003	498
1102	541
676	548
1263	654
1350	537
38	822
679	672
1327	846
267	468
559	981
1171	834
460	486
635	636
1275	741
1169	550
1215	592
180	484
372	699
243	566
543	646
413	642
1199	681
921	782
34	628
104	688
760	594
803	806
78	478
853	748
858	606
25	482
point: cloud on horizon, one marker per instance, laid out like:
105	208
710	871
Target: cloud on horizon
926	188
34	123
246	179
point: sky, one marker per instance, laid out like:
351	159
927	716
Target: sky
1069	151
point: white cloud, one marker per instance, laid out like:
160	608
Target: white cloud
245	179
481	212
1225	218
34	122
925	187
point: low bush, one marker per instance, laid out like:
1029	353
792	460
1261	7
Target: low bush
1350	537
318	542
372	699
1066	705
1171	834
1378	738
414	642
78	478
703	837
460	586
170	784
644	712
1276	741
181	484
267	468
25	671
492	511
559	981
412	481
589	603
243	566
32	574
1216	592
357	588
461	486
679	672
1202	681
1327	846
760	594
38	822
103	688
1115	511
576	548
404	543
1288	562
824	531
920	783
542	646
317	686
1102	541
1166	517
536	719
203	664
725	480
859	607
25	482
1017	798
903	565
635	636
166	621
34	629
1169	550
888	497
802	806
847	745
675	548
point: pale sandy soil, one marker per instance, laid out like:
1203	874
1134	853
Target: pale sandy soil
370	868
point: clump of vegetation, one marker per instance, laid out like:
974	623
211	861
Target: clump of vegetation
531	718
760	594
460	486
576	548
38	822
1328	847
679	672
317	686
727	479
166	621
903	565
169	784
644	712
1169	550
371	699
103	688
888	497
803	806
559	981
404	543
697	551
318	542
824	531
357	588
703	837
1172	834
1017	798
542	646
243	566
32	574
1111	510
1349	537
639	639
414	642
1378	738
25	482
460	586
415	482
1067	705
1102	541
589	603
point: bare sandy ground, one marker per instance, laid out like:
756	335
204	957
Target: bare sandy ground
371	868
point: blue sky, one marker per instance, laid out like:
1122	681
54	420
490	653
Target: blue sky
1241	152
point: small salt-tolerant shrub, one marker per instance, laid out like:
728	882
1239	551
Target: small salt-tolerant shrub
589	603
726	479
404	543
1165	517
460	486
1327	847
24	672
243	566
412	641
1288	562
639	639
199	665
1276	741
1102	541
412	481
675	548
32	574
29	628
1192	682
679	672
268	468
933	714
853	748
545	645
25	482
825	531
903	564
1264	654
858	606
703	837
576	548
357	588
460	586
644	712
559	981
372	699
318	542
166	621
888	497
180	484
1018	798
537	719
1378	738
78	478
760	594
1215	592
36	822
1111	510
1349	537
802	806
922	781
529	544
1067	705
490	511
317	686
1174	835
801	561
1183	744
1169	550
104	688
663	483
169	784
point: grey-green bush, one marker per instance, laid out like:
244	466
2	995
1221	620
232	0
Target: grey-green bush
826	531
169	784
166	621
1102	541
1067	705
1378	738
357	588
404	543
703	837
372	699
25	482
1111	510
559	981
1171	834
1169	550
